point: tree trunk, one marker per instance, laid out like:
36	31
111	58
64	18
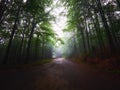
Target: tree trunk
83	37
87	34
99	31
118	3
112	28
100	43
12	34
29	42
20	57
43	47
36	47
2	9
104	21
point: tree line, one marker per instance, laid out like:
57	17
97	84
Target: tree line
95	26
26	33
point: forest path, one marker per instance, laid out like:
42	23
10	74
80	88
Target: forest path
60	74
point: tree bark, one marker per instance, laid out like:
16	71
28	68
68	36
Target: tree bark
83	38
104	21
29	42
12	34
87	34
2	9
118	3
112	27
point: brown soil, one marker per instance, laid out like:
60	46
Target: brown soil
61	74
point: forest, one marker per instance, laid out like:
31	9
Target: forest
96	31
27	35
59	44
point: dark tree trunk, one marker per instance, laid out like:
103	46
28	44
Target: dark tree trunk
100	43
12	34
83	37
99	31
2	8
118	3
112	27
108	33
75	51
43	47
20	57
29	42
87	34
36	47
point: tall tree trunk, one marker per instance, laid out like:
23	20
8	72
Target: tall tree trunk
96	26
100	43
2	8
108	33
29	41
87	34
78	40
36	47
12	34
83	37
43	47
118	3
112	28
20	57
75	52
99	31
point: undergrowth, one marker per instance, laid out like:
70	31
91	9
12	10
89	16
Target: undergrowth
29	65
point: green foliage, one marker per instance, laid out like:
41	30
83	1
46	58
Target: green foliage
90	33
25	28
33	34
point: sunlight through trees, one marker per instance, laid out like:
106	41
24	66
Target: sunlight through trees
32	30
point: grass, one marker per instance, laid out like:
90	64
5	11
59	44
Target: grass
40	62
29	65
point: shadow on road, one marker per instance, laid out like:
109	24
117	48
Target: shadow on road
60	74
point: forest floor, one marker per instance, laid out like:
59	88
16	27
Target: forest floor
60	74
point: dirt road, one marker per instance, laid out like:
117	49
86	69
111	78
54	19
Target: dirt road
61	74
